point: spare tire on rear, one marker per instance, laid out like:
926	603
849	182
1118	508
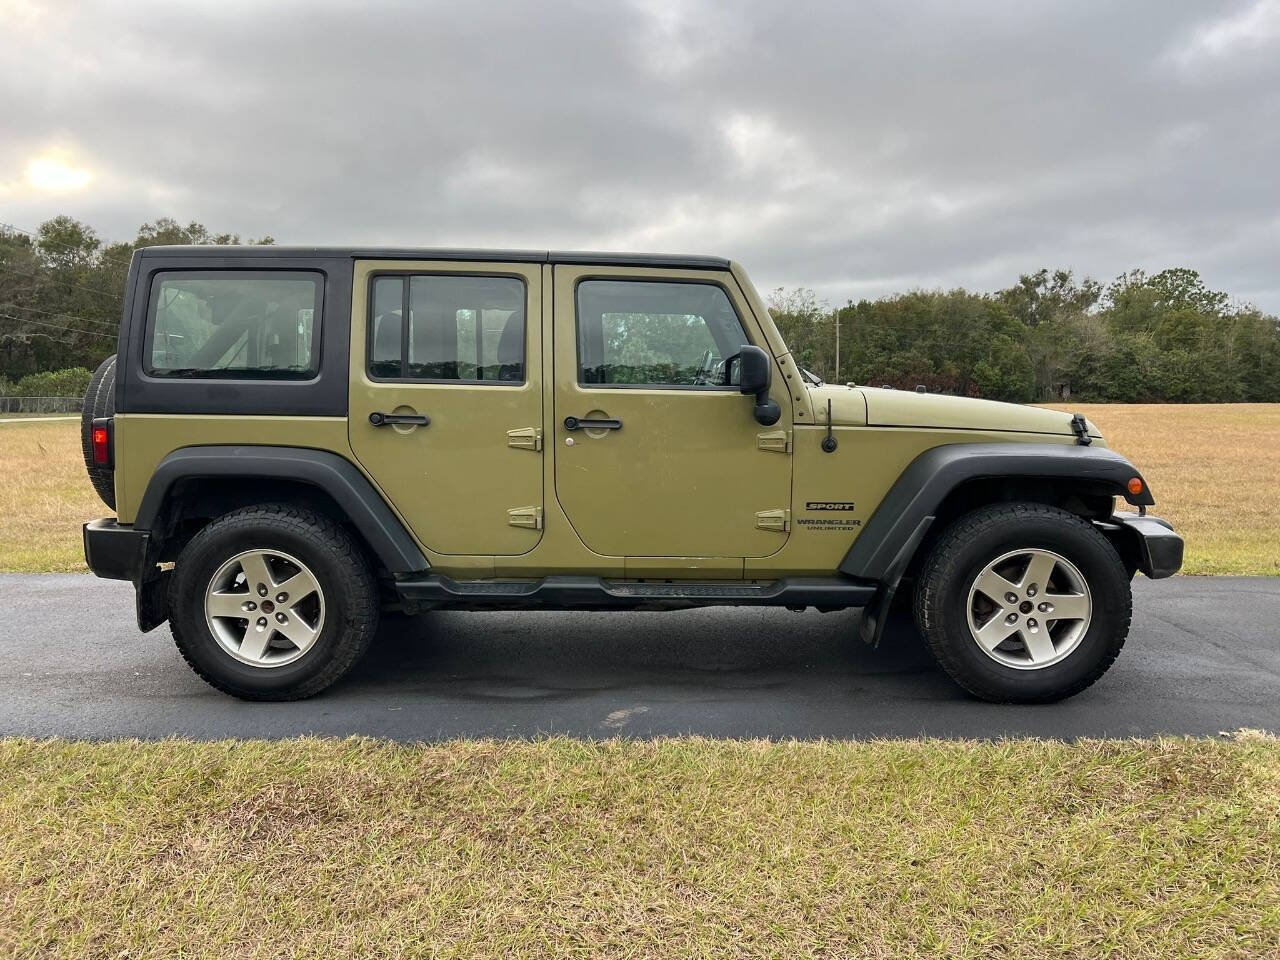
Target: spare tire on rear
99	401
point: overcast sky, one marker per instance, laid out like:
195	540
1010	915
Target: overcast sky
856	148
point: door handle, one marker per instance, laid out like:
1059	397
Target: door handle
578	423
414	419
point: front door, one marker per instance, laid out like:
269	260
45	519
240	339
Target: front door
446	399
656	456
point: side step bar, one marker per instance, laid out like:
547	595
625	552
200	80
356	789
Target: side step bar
595	593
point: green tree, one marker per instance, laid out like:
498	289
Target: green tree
807	326
1054	308
62	290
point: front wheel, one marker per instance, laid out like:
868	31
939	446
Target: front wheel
1023	603
272	603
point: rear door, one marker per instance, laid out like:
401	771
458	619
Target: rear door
446	399
683	470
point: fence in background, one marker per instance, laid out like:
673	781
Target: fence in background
38	405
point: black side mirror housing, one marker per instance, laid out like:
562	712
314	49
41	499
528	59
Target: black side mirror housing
755	376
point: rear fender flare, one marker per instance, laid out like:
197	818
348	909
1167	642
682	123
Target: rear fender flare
336	476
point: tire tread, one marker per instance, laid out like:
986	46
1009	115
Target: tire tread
941	566
99	401
356	584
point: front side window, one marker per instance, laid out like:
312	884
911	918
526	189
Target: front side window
655	333
444	328
234	324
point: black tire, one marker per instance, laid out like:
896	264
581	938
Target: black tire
339	565
979	538
99	401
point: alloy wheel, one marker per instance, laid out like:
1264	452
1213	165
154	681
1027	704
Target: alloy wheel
1029	609
264	607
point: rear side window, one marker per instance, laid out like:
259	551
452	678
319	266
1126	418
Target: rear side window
436	328
234	324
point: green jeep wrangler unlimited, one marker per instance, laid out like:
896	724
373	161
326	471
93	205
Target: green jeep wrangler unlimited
296	439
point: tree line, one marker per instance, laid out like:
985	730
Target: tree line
62	294
1163	337
1158	338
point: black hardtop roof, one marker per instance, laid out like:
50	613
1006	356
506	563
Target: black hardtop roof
693	262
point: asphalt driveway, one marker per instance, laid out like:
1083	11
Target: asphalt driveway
1203	657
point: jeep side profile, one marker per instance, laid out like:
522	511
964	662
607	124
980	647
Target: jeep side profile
296	439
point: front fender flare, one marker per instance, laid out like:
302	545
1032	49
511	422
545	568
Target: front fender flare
914	499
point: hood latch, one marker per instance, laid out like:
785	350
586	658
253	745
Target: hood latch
1080	427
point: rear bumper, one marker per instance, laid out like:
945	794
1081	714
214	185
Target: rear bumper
1152	543
116	552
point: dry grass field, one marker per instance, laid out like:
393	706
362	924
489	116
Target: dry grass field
1215	470
44	497
1215	473
682	848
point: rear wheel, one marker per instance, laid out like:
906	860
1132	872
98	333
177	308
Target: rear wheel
272	603
1023	603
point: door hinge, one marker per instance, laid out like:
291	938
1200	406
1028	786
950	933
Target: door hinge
777	441
525	438
779	520
530	517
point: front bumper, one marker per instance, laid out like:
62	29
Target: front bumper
116	552
1149	542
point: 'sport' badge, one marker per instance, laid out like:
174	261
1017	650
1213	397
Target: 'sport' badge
829	505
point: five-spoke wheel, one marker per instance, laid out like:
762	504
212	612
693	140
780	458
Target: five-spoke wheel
272	602
1029	609
1023	602
264	607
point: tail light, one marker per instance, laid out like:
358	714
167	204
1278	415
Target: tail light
101	440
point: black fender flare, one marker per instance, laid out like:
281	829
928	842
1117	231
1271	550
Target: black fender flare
885	546
338	477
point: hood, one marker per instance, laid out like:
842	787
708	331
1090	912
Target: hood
878	407
848	405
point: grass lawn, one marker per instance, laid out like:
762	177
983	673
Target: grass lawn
1215	470
679	848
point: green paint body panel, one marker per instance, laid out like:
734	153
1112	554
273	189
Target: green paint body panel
456	479
142	440
903	408
691	487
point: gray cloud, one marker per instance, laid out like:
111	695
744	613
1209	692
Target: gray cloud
855	148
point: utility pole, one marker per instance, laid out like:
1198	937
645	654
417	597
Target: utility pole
837	378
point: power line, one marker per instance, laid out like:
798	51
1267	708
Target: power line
65	327
45	335
55	327
61	313
44	276
65	246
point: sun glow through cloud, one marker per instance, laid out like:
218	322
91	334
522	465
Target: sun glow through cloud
54	174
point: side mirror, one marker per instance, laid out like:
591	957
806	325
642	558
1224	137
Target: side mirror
755	375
